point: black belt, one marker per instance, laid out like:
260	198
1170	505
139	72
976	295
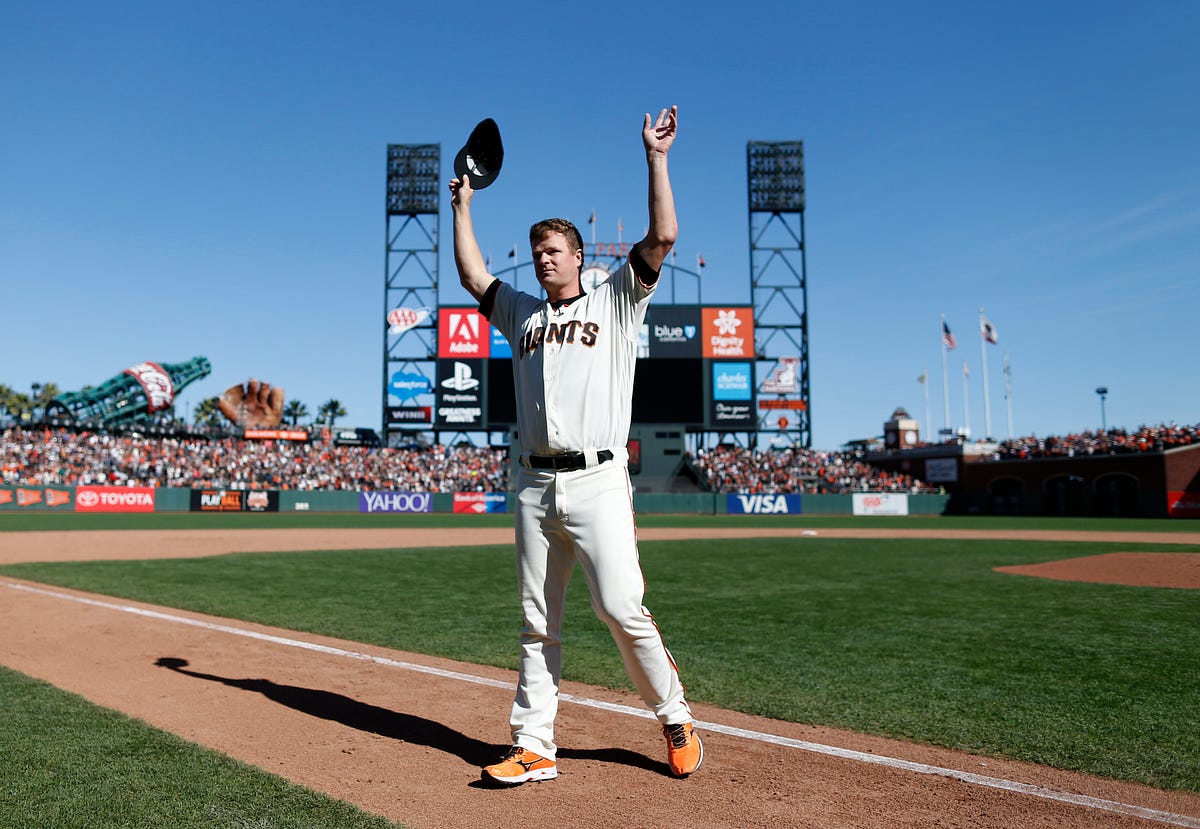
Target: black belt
566	462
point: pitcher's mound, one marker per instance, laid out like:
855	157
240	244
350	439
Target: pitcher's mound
1140	569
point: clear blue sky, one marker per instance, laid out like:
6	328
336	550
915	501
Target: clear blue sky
208	179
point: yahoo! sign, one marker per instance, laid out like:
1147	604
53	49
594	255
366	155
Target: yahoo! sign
395	502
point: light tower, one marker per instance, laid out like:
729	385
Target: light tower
410	290
779	286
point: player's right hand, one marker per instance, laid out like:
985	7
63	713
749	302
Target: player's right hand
461	191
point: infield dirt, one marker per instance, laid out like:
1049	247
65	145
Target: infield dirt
385	734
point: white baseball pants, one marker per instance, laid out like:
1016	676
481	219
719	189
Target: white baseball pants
586	516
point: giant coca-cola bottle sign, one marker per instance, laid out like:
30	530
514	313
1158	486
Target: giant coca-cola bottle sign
156	383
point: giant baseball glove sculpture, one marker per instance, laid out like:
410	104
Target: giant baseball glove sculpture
252	406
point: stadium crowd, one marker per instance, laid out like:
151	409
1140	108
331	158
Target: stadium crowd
48	457
795	470
1100	442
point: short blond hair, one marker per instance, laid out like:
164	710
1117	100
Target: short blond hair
545	227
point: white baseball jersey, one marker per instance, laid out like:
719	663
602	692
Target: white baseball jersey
573	363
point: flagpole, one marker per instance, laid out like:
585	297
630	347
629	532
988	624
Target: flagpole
987	406
925	383
592	222
945	387
966	405
1008	393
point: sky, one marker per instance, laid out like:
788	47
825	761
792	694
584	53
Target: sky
208	179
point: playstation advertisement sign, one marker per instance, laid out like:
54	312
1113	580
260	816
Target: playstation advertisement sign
461	392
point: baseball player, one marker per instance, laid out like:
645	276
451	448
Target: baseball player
573	364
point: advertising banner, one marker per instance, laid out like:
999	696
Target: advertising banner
234	500
783	377
114	499
732	402
674	331
395	502
463	332
216	500
477	503
727	332
1183	504
259	500
40	497
739	504
460	394
941	470
276	434
156	383
409	415
500	346
880	503
406	385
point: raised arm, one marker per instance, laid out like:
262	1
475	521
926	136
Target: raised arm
472	270
657	137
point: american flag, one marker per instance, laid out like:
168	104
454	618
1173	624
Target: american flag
948	338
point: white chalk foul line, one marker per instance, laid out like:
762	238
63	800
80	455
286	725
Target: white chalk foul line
758	736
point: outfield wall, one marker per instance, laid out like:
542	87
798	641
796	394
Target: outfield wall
146	499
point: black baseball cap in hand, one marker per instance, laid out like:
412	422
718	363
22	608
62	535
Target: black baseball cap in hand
482	156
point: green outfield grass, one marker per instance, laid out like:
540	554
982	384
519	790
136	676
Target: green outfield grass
918	639
67	764
13	521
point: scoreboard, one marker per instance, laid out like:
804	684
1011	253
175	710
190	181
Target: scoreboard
696	367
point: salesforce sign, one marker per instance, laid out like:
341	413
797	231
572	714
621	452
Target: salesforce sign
741	504
395	502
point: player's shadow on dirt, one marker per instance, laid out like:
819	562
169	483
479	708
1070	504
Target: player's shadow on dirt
406	727
354	714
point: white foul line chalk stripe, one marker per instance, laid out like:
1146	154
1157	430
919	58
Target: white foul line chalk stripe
717	728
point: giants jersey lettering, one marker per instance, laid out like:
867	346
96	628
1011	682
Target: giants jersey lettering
573	366
560	333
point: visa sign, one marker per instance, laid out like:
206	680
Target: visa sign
741	504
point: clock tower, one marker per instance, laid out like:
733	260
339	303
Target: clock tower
901	432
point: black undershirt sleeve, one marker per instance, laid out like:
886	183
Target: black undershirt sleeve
644	273
488	301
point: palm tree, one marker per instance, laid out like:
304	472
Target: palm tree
18	405
208	413
43	395
330	411
294	410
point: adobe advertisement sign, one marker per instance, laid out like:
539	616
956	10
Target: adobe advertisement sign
460	394
463	332
727	332
114	499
